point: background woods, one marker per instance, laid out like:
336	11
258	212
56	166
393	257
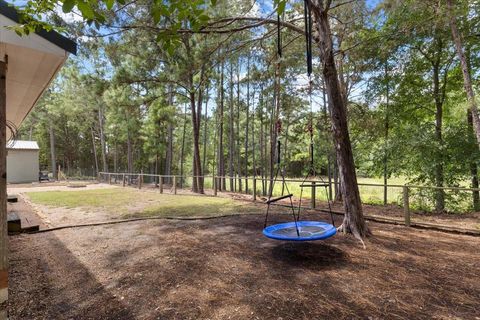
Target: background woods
203	101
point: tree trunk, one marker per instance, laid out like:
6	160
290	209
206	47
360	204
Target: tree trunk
262	147
439	176
386	128
254	158
329	154
169	154
474	170
353	221
182	153
247	125
197	181
94	148
53	156
221	159
129	153
467	80
237	151
196	139
115	157
30	131
205	133
230	131
169	151
101	125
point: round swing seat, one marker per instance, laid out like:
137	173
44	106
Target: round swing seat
307	231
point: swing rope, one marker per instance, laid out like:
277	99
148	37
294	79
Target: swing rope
278	130
310	127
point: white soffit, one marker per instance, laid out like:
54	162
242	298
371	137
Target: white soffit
33	61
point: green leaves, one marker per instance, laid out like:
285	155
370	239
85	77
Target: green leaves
280	4
86	9
109	4
68	5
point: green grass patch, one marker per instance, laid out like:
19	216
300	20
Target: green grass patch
127	202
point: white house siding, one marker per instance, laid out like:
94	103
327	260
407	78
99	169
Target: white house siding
22	166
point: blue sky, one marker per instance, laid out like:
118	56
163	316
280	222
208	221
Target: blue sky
264	7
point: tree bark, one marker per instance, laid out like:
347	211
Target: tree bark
101	125
53	156
329	154
129	152
196	139
182	152
473	170
169	151
197	182
254	158
237	150
221	156
205	133
467	80
94	149
386	132
230	132
262	146
439	176
353	221
247	125
115	157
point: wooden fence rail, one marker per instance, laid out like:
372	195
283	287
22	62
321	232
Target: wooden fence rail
160	181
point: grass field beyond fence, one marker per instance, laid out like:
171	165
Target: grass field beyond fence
421	198
133	203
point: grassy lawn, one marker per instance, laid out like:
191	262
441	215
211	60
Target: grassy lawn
129	202
369	194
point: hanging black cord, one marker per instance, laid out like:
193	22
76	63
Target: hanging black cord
278	131
272	184
279	37
308	34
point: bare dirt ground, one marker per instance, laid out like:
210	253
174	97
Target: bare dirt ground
52	186
225	269
59	216
469	220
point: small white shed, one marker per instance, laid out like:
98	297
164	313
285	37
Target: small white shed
22	161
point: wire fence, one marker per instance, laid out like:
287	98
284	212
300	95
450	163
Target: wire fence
401	200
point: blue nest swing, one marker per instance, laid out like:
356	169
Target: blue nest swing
300	231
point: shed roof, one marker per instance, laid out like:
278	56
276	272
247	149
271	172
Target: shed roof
22	145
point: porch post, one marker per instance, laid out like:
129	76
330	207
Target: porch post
3	193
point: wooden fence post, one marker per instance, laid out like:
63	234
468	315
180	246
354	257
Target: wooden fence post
109	178
140	177
406	205
160	184
314	191
254	188
123	182
174	184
